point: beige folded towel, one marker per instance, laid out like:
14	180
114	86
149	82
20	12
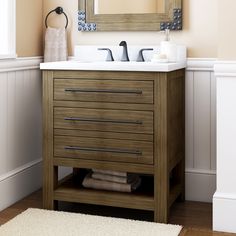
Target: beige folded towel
110	172
114	178
89	182
55	45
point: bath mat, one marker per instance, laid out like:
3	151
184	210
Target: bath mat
37	222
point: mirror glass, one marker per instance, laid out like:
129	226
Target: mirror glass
129	6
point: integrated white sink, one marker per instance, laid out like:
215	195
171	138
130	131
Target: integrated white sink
113	66
90	58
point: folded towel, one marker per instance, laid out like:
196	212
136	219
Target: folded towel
114	178
110	172
55	45
89	182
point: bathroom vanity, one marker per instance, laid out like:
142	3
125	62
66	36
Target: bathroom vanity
114	116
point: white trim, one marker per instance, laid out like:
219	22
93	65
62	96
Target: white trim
224	200
200	185
9	56
21	184
220	195
201	64
20	63
200	171
11	30
224	212
225	69
19	169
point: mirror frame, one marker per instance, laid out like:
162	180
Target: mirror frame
88	21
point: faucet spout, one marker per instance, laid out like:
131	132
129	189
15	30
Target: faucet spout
125	56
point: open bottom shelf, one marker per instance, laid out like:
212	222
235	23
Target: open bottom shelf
71	191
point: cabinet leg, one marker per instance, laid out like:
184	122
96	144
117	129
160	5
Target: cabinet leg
179	175
161	217
50	181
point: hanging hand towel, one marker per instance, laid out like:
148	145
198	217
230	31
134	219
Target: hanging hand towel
55	45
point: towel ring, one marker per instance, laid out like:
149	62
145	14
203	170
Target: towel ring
59	11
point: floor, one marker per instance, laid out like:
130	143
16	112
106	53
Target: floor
194	216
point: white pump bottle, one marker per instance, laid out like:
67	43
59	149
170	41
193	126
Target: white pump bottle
169	48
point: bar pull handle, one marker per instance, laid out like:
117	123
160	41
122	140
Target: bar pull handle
97	120
82	90
111	150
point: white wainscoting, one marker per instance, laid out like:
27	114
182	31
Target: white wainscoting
200	130
21	130
224	203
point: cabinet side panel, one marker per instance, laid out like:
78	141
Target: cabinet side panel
176	129
161	182
48	173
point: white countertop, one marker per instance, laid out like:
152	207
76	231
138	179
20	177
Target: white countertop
113	66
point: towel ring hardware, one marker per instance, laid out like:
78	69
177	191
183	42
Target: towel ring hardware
59	11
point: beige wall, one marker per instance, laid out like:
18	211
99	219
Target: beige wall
29	22
200	32
227	30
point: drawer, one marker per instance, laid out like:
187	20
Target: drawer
104	149
103	120
118	91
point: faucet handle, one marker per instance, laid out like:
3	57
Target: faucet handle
109	53
140	54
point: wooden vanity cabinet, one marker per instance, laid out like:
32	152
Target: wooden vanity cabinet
123	121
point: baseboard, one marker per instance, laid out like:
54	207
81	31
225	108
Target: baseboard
200	185
224	212
19	183
15	185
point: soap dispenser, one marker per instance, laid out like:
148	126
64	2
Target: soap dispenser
169	48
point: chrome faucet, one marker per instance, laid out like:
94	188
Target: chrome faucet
125	56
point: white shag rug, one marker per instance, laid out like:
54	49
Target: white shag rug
37	222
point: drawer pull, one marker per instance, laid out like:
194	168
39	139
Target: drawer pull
112	150
137	122
77	90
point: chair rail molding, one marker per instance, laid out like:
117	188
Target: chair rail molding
201	64
20	63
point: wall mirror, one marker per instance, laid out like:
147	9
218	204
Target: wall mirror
129	15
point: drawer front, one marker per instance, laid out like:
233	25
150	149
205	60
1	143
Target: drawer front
121	91
104	149
103	120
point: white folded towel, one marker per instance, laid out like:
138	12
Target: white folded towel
55	45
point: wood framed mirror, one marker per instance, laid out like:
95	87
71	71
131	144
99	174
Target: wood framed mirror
129	15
